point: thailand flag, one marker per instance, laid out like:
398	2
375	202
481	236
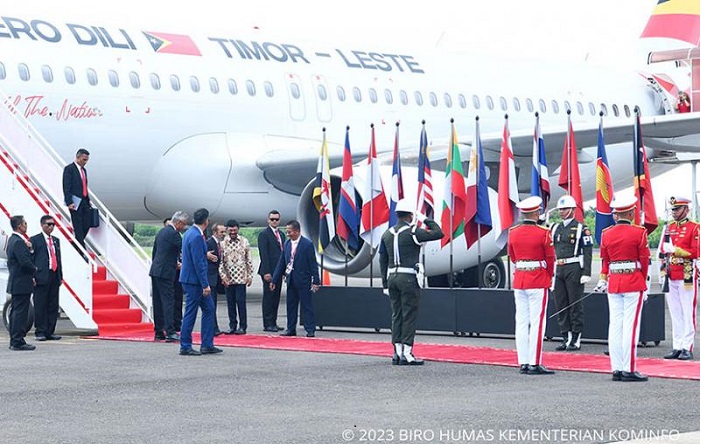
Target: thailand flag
424	200
397	191
348	221
374	215
540	184
604	188
478	215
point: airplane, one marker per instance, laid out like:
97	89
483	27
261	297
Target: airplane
232	121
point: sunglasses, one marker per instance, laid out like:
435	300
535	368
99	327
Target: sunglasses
50	224
274	218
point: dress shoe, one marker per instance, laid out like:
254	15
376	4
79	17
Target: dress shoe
159	338
288	333
674	354
396	360
240	331
606	352
562	346
230	331
218	333
279	328
53	338
524	369
173	338
616	375
685	355
632	377
539	370
573	347
415	361
310	334
23	347
210	350
271	329
189	352
40	338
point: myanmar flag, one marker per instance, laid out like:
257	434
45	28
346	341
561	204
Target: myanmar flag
454	196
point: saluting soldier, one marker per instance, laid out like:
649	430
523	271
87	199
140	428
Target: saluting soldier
624	267
573	244
399	263
531	251
682	251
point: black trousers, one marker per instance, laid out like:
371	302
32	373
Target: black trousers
46	306
177	303
163	302
567	291
270	304
81	222
18	319
299	299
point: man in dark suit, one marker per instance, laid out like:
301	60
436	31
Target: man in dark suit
270	242
164	263
75	194
193	276
21	282
213	261
298	264
47	259
177	291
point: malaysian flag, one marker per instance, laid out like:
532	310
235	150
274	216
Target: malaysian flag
397	191
540	185
424	200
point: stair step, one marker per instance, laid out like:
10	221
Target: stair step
110	301
111	329
101	274
104	287
117	315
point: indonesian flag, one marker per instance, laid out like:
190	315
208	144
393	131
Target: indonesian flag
322	198
374	219
508	188
569	171
454	196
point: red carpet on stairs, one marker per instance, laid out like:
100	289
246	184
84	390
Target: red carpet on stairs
464	354
111	310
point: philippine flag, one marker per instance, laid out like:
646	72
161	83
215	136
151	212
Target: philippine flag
164	43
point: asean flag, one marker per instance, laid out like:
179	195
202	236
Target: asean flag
164	43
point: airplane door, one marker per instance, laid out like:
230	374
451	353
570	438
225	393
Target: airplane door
322	97
295	97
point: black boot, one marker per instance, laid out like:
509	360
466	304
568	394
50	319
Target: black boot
566	338
674	354
574	343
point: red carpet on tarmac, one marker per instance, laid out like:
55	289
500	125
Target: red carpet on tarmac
463	354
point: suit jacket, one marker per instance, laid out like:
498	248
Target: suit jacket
73	184
166	250
20	265
213	267
194	258
269	250
41	258
305	270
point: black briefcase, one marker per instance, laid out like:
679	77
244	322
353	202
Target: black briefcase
94	218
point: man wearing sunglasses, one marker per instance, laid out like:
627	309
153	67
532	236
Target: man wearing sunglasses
47	259
270	242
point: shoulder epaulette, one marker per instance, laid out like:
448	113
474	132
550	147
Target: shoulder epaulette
608	228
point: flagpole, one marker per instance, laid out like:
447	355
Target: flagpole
452	203
372	200
637	158
477	196
569	154
321	214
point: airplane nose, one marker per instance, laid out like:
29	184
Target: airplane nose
191	174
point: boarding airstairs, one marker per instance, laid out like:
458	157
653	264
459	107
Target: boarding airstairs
106	288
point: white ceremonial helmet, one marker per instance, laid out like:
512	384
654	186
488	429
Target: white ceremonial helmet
566	201
405	206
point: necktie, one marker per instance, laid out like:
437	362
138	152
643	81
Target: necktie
277	236
290	264
52	252
84	178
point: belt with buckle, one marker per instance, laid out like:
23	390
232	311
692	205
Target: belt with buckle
623	267
529	265
569	260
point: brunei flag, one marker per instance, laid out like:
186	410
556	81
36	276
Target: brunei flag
674	19
322	198
164	43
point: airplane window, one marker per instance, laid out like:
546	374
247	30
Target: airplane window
233	89
403	97
476	102
213	85
614	107
433	99
47	73
502	102
155	80
69	74
268	89
251	87
448	100
134	79
3	74
341	93
194	84
388	97
592	109
490	102
418	98
357	95
580	108
175	82
296	92
462	101
541	104
23	71
517	104
373	95
556	107
113	77
321	91
604	109
92	76
529	105
626	110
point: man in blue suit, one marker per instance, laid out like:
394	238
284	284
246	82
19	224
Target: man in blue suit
298	264
193	276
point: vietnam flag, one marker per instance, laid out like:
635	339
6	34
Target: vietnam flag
569	171
164	43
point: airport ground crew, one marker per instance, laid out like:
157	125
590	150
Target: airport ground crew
531	251
399	263
572	241
681	248
624	266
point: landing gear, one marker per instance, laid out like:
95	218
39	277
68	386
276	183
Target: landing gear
493	275
7	310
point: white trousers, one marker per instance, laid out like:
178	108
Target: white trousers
530	324
681	301
624	329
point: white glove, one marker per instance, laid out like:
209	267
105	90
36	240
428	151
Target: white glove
645	296
584	279
601	286
420	217
668	247
385	291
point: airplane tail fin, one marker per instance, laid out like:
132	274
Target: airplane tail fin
674	19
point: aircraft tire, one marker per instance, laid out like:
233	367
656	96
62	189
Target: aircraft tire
7	309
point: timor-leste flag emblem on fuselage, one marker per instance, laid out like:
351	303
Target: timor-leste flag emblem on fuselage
164	43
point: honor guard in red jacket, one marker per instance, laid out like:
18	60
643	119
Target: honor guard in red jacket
624	267
531	251
680	249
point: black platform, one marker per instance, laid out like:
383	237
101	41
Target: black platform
469	311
